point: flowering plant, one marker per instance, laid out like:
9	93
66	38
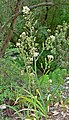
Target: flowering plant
26	44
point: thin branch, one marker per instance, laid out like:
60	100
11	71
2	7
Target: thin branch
41	4
9	35
3	26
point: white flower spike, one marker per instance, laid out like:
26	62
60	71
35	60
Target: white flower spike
25	10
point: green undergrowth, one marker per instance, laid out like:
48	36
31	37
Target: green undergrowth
30	94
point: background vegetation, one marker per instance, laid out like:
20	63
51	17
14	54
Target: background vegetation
34	59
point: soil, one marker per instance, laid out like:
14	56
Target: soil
60	111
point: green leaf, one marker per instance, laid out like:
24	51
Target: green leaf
44	79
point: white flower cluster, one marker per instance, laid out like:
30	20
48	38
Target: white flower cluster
25	10
23	35
17	44
36	54
50	57
52	37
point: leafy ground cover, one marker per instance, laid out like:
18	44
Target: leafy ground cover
40	98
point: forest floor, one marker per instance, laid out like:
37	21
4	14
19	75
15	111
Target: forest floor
57	111
60	111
